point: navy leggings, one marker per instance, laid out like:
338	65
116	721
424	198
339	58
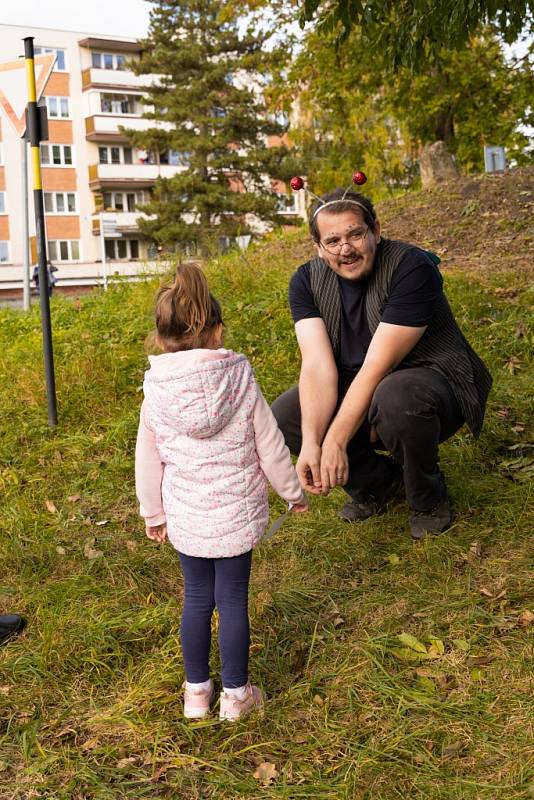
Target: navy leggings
221	583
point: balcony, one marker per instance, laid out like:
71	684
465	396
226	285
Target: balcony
128	176
105	127
125	222
93	78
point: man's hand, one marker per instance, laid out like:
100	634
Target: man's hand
334	465
158	533
309	468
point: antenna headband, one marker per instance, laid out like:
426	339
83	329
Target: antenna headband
335	202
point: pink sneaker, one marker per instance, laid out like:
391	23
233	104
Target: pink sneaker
197	704
233	709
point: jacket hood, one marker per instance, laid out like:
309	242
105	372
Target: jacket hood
196	392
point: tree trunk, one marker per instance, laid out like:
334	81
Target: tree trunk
436	164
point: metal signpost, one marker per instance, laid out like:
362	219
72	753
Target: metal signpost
35	123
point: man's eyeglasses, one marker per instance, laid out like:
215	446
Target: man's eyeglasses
353	239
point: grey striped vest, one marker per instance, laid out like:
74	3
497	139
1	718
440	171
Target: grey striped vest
442	346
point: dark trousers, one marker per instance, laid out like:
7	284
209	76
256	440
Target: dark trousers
413	410
221	583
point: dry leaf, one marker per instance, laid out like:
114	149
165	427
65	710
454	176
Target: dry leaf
50	507
526	618
452	749
89	550
475	549
126	762
131	546
60	550
520	329
90	744
266	773
73	498
102	522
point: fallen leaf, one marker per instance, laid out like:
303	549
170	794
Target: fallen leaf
393	559
461	644
526	618
90	744
73	498
102	522
266	773
318	700
479	661
126	762
131	546
437	648
411	642
60	550
486	592
89	550
337	622
520	329
475	549
452	749
50	507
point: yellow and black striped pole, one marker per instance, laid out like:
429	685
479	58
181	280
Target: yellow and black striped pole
34	135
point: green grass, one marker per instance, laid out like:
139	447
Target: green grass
90	701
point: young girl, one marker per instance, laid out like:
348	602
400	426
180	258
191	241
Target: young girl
207	441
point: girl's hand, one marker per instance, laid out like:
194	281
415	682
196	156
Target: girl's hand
158	533
300	508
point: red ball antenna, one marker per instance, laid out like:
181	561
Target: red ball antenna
296	183
359	178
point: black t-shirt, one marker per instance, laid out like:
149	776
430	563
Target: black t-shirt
416	288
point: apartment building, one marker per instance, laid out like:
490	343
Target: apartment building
89	168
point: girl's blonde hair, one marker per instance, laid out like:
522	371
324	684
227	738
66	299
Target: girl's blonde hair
187	314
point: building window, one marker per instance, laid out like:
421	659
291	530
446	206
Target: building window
56	155
64	250
60	203
3	203
175	158
115	155
108	61
58	107
286	203
119	103
61	60
122	249
4	252
122	201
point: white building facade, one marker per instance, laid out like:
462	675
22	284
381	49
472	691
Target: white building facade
88	166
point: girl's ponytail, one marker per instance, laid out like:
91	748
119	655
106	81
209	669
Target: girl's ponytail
187	314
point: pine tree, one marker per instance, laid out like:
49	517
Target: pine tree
209	96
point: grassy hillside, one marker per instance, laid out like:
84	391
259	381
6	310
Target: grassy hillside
90	704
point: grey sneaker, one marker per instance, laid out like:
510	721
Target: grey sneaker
435	521
364	505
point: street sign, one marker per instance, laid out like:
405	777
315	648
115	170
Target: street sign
13	87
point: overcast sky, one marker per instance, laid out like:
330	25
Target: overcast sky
113	17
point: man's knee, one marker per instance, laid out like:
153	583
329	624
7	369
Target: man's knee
391	397
397	404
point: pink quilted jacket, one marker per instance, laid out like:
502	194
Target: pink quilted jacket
207	440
